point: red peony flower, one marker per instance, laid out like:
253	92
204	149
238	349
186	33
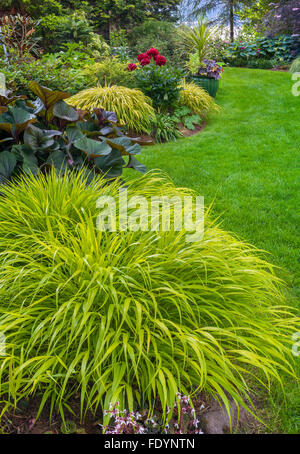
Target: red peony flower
131	67
145	61
141	57
152	52
160	60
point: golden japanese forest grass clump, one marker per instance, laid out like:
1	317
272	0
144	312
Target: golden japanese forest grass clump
129	316
197	99
131	106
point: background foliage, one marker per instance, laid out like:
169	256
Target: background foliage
161	35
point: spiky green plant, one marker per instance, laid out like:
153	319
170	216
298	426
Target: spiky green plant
165	128
295	66
197	99
193	63
196	39
132	107
129	316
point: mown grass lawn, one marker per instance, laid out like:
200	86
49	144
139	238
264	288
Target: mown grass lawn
247	160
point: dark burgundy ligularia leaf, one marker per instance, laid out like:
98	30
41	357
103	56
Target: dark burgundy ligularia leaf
62	138
104	116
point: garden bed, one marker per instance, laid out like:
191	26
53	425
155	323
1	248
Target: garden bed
213	419
189	133
147	139
127	325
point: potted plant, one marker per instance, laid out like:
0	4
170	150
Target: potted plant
208	76
205	73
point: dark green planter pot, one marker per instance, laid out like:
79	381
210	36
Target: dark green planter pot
210	85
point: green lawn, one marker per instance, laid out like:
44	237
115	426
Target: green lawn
248	161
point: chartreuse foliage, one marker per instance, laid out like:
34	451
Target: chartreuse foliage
197	99
132	107
129	316
109	71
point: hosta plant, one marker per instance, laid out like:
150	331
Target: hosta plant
35	136
132	107
185	116
165	128
134	316
197	99
281	48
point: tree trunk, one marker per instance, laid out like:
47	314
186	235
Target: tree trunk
110	25
231	20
